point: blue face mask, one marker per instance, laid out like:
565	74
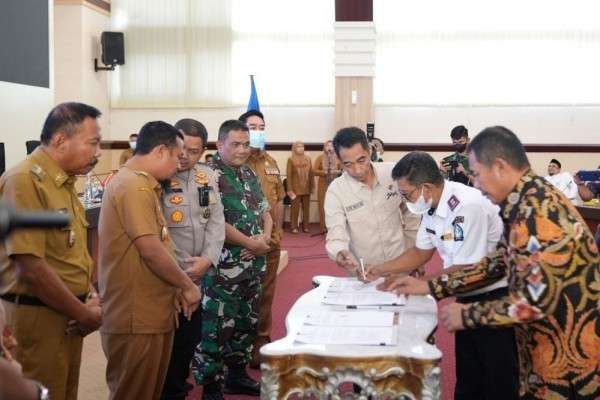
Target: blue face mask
257	139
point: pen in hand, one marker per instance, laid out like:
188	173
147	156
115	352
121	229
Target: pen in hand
362	268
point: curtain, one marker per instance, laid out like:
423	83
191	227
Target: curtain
495	52
199	53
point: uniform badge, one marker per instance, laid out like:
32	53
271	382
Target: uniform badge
430	231
453	201
177	216
201	178
176	200
459	235
38	172
163	233
71	238
174	183
206	213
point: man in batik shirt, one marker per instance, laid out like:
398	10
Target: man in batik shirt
553	271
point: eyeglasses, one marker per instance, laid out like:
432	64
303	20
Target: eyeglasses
408	195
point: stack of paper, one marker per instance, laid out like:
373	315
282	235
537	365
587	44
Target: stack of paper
350	318
350	292
374	327
365	336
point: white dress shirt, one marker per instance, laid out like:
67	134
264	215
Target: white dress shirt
373	224
565	183
464	228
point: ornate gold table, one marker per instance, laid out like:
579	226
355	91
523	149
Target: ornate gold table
407	370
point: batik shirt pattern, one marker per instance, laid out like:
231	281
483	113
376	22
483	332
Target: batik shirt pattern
553	271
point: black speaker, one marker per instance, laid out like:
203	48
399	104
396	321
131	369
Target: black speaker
31	145
113	48
2	159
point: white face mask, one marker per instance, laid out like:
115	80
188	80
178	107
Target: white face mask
132	145
257	139
420	206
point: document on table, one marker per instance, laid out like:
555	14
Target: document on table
350	318
363	336
353	284
357	299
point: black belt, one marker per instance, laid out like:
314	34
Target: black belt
485	296
31	300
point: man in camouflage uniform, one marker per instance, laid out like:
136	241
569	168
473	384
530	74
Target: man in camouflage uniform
455	167
232	289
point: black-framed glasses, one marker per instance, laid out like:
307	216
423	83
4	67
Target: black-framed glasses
409	194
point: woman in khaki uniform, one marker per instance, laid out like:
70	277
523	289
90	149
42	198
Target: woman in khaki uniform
327	167
299	185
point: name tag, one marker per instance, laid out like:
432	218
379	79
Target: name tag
355	206
272	171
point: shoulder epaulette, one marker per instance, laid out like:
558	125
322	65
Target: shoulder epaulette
38	172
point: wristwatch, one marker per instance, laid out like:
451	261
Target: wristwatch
42	392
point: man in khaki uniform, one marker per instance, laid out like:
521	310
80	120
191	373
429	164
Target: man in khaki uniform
267	170
128	153
366	217
45	275
139	279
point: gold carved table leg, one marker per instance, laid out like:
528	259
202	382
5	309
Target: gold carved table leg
379	378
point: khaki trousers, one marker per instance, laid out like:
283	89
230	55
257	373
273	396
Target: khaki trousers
266	300
305	200
45	352
137	364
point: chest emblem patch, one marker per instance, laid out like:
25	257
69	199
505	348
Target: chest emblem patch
177	216
176	200
201	178
453	201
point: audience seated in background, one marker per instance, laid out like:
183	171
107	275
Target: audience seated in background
128	153
561	180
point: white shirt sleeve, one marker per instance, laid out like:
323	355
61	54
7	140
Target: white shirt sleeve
570	187
475	230
423	241
338	238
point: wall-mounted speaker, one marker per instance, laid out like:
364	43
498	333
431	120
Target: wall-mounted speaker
113	48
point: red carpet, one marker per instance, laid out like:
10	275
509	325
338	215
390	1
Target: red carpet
307	258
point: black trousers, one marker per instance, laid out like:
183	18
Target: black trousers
487	367
187	337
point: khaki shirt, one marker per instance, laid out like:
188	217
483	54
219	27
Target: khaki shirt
37	184
125	155
373	224
195	230
267	170
134	300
